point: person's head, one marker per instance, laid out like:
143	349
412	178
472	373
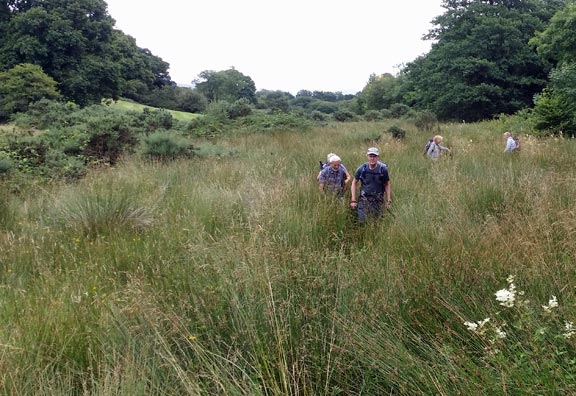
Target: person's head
438	139
328	157
506	135
334	161
373	155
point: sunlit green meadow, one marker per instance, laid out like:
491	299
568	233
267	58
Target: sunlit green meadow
234	276
129	105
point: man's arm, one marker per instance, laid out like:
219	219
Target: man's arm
353	193
348	177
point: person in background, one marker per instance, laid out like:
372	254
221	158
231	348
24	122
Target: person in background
375	193
327	164
510	142
334	177
435	150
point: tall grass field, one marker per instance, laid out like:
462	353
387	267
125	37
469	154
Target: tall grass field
233	275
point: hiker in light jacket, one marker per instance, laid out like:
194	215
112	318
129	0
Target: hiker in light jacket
435	150
510	142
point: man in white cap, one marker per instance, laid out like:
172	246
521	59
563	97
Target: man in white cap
334	177
375	192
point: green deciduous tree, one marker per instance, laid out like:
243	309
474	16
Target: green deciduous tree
229	85
22	85
481	64
555	108
381	92
274	100
74	42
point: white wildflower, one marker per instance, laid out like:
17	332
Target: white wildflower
506	297
510	279
569	329
476	326
500	333
552	303
472	326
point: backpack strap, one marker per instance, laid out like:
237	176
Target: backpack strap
383	168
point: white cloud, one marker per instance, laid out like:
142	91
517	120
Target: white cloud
287	45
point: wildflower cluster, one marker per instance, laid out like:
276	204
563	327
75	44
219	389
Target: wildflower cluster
476	326
508	298
552	303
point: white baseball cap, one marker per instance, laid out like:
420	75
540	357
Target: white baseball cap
373	150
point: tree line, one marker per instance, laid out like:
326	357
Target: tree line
489	57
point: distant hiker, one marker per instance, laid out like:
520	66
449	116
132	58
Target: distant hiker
375	193
333	178
512	143
428	144
435	149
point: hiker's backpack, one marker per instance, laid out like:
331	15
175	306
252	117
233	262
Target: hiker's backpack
323	165
517	141
427	146
383	169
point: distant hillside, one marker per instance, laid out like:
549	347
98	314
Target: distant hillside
127	105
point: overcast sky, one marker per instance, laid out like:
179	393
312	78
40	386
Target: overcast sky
288	45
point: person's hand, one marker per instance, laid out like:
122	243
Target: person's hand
353	204
388	204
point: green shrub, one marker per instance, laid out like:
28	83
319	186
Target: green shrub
344	115
324	107
154	119
59	165
218	111
108	139
317	116
397	132
426	121
28	153
260	122
47	114
6	165
386	113
22	85
240	108
373	115
164	145
552	115
206	126
399	110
